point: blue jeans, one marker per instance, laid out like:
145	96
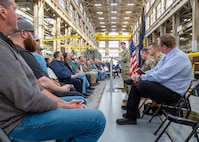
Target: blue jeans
63	125
85	82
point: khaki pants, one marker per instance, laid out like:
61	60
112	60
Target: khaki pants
93	76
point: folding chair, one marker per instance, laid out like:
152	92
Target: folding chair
3	136
180	118
184	121
182	101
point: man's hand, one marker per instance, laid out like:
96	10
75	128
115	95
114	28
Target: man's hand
65	88
77	104
56	82
73	76
136	77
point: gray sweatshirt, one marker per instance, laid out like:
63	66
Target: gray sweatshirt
19	91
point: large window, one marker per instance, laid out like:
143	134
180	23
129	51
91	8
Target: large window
71	11
159	10
113	44
102	44
62	3
168	3
81	8
113	53
77	2
152	1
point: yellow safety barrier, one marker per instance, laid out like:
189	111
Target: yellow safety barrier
60	38
194	63
76	47
193	54
46	46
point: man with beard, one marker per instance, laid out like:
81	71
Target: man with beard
29	113
25	44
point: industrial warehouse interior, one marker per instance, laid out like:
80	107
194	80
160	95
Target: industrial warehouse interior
96	30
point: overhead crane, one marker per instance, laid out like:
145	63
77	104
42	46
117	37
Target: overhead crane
100	36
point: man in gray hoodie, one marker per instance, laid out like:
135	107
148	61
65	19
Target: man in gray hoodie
29	113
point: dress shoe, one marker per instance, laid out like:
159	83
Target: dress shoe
125	121
124	107
93	84
85	94
91	88
124	115
128	81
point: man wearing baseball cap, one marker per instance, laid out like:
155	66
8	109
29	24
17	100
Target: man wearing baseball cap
26	113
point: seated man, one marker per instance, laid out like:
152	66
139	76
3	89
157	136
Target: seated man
74	68
26	113
38	56
165	83
149	61
83	68
26	45
64	74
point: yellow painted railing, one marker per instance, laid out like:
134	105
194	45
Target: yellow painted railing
194	63
194	54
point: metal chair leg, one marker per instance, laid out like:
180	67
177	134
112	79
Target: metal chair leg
164	130
142	103
156	112
161	125
147	109
193	132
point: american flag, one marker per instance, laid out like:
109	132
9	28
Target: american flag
134	63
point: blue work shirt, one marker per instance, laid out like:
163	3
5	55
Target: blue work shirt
40	59
60	69
74	67
174	71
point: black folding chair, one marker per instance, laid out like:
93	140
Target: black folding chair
184	121
180	117
183	102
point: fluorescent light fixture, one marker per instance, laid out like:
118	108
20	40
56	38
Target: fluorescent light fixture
187	20
128	12
124	26
113	29
101	18
102	26
113	18
130	4
114	4
113	12
123	29
126	18
103	29
113	22
102	22
97	5
100	12
25	9
113	26
125	22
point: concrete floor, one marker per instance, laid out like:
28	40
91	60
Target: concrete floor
110	105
